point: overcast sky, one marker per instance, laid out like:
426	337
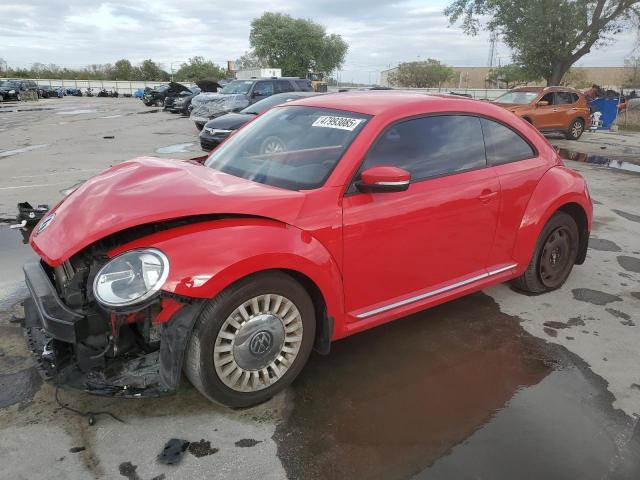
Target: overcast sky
380	33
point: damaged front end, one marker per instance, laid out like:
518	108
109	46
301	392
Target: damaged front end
102	325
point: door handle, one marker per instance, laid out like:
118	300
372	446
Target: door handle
487	195
555	110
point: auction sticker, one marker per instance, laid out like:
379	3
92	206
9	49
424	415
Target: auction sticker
341	123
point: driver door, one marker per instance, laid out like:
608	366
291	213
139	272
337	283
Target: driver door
399	245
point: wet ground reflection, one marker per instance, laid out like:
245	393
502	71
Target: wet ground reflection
389	402
386	404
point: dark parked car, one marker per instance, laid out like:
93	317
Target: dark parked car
25	85
9	91
216	130
47	91
182	102
75	92
240	94
156	96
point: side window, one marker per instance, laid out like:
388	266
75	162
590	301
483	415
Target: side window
548	98
503	145
430	146
575	97
304	85
263	89
283	86
564	98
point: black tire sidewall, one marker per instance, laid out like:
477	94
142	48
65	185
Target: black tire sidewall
211	321
559	219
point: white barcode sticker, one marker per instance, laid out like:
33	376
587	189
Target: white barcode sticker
341	123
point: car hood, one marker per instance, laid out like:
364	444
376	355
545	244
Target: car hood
175	88
147	190
208	85
511	106
230	121
209	105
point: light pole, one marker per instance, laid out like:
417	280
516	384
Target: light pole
171	67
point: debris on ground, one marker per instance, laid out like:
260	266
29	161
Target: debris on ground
173	451
29	214
202	448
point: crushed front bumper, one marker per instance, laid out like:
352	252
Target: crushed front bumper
55	336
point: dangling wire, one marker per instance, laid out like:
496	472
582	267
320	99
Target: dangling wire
91	416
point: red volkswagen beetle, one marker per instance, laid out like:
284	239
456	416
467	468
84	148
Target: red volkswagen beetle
321	218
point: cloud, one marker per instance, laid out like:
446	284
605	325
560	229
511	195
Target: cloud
380	33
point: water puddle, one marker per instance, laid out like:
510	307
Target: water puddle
598	160
9	153
461	382
177	148
77	112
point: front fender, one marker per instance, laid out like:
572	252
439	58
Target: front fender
558	187
207	257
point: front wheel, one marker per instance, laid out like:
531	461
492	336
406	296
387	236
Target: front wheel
575	129
554	257
252	340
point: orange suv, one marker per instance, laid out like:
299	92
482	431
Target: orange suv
550	109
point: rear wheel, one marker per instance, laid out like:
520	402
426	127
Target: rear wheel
575	129
252	340
554	257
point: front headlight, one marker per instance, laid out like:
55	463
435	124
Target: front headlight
131	277
11	92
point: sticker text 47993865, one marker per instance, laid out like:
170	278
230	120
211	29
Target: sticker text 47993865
341	123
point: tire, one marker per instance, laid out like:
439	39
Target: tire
547	270
576	129
239	377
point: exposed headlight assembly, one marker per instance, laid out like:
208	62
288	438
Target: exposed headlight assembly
131	277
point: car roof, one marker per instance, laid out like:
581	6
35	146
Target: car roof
375	102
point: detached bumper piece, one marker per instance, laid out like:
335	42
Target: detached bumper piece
60	340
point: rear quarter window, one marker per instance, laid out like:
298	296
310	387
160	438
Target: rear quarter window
503	145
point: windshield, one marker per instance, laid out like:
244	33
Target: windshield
519	98
295	148
264	105
238	86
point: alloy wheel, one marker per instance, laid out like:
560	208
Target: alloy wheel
258	343
576	129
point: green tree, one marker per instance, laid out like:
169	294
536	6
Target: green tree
547	36
511	75
197	68
123	70
427	74
295	44
149	70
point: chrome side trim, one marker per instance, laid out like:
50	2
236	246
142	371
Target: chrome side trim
438	291
393	184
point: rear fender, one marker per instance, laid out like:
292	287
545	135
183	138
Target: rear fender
207	257
544	202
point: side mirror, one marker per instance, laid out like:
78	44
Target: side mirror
543	103
255	93
383	179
